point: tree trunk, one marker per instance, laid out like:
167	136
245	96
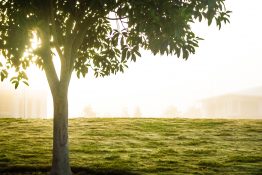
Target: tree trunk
60	162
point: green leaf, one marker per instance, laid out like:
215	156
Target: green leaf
2	76
26	83
128	54
121	68
209	21
185	54
178	51
13	79
122	41
138	53
16	85
78	74
133	58
123	57
200	18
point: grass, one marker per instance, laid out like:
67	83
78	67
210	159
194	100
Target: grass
136	146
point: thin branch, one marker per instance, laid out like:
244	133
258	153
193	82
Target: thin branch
59	51
109	18
77	41
123	25
54	32
117	25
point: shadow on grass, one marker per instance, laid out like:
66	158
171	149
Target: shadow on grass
27	170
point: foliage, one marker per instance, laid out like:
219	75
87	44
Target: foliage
102	35
136	146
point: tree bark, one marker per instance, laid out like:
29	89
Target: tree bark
60	162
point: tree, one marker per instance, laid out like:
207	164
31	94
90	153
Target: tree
124	112
102	35
88	111
171	111
137	112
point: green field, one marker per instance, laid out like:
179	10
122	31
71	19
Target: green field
136	146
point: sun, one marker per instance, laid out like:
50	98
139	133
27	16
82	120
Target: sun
35	41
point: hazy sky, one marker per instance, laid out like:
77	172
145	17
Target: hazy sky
227	60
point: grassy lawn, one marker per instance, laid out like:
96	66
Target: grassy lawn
136	146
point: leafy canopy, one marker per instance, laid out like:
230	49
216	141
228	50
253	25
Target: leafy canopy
102	35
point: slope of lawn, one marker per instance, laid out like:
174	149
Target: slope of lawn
136	146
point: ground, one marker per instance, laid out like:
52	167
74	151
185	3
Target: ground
136	146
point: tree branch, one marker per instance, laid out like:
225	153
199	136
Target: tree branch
50	72
65	73
48	64
119	18
77	41
54	32
45	52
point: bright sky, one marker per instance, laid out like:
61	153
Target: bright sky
227	60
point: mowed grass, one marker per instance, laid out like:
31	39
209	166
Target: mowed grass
136	146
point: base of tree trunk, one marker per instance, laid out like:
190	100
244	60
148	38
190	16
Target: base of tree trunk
55	171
